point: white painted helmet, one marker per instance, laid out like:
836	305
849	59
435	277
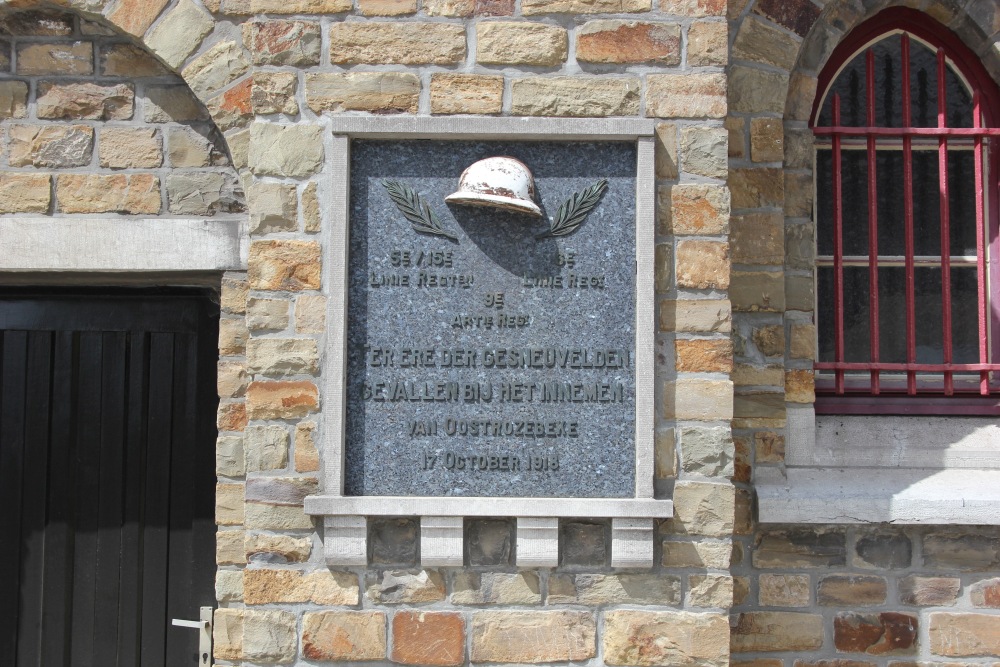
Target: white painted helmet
497	182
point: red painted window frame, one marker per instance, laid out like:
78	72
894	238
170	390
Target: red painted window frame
836	396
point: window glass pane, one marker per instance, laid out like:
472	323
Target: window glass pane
959	101
888	80
923	86
892	314
857	339
927	305
962	202
854	191
891	226
964	319
850	85
926	203
824	201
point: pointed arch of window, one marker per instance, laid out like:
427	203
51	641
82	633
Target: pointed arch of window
907	136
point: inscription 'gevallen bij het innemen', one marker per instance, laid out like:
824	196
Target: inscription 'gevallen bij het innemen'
491	353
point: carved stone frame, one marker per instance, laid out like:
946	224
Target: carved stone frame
442	518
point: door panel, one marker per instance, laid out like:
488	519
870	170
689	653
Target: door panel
107	431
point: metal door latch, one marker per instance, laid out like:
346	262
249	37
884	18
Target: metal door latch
204	626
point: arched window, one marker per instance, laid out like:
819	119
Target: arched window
906	130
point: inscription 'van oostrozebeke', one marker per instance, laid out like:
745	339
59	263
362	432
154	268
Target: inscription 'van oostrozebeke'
487	356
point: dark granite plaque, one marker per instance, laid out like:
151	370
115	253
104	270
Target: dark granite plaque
497	364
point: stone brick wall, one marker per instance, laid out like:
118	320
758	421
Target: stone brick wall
814	594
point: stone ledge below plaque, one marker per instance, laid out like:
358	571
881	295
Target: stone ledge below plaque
633	526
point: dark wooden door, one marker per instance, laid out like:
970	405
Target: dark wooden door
107	437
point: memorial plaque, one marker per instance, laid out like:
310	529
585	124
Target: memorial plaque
489	352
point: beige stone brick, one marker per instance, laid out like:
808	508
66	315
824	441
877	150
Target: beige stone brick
269	636
377	92
803	341
274	92
322	586
784	590
128	60
606	589
799	292
265	447
686	95
312	219
986	593
648	638
708	44
519	43
759	409
800	246
536	636
428	638
710	591
180	32
521	588
532	7
130	148
287	265
703	508
310	314
574	96
135	16
758	42
737	141
275	548
294	151
233	336
757	291
800	386
700	209
387	7
280	42
800	548
273	208
769	340
757	187
777	631
216	68
707	451
704	151
120	193
666	151
702	264
702	355
453	8
84	101
344	635
281	399
73	59
234	293
229	586
701	400
229	547
306	454
169	104
232	108
232	416
203	193
695	8
758	238
186	147
282	356
51	146
13	99
767	138
798	195
696	316
229	504
851	591
665	454
466	93
757	91
227	634
267	314
232	379
960	635
387	43
263	516
299	6
746	375
700	554
405	586
616	41
664	267
229	456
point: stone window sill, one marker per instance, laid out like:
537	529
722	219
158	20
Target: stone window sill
902	470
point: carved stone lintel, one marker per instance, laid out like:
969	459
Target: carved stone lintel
441	541
632	542
537	542
345	540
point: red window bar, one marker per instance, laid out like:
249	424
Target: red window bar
947	49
